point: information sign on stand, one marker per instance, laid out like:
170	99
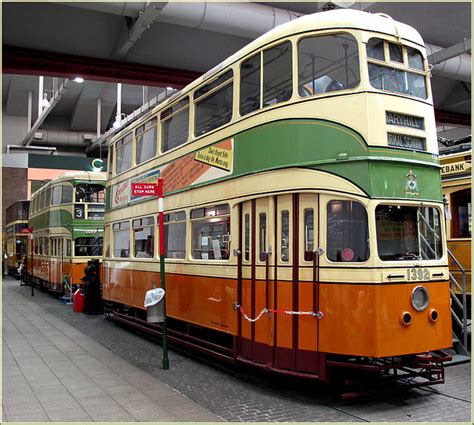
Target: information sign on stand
152	189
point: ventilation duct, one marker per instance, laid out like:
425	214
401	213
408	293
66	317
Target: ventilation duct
62	138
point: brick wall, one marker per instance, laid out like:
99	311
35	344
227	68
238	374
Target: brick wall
14	187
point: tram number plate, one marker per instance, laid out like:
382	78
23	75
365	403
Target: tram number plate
418	274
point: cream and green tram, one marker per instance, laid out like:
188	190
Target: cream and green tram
303	220
16	230
67	219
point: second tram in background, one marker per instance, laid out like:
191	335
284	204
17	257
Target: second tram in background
16	235
67	219
456	181
304	224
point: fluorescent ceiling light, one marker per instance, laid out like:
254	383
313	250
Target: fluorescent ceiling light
79	80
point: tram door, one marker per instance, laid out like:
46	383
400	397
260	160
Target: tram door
255	287
278	271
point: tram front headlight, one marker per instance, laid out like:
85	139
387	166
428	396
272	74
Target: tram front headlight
420	298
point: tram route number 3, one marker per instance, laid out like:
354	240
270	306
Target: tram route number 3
418	274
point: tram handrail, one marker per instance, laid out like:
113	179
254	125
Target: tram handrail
462	305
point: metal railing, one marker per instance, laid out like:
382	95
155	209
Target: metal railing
461	321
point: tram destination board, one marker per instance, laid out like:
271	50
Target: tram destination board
144	189
406	142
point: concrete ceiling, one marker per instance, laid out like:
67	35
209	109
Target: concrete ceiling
100	30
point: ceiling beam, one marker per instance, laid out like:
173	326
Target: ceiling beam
450	52
446	117
145	19
18	60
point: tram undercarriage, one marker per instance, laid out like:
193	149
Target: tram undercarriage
350	377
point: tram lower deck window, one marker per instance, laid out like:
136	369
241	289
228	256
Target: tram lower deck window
347	232
408	233
175	235
121	239
211	233
88	247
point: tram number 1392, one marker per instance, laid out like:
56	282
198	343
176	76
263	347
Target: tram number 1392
418	274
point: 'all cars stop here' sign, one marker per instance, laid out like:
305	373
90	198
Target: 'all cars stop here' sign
144	189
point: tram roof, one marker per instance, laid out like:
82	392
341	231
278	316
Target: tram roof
342	18
80	176
333	19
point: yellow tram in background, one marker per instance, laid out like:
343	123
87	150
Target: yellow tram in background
16	230
67	220
304	223
456	183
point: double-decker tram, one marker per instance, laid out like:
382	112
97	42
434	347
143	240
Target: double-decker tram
303	214
67	219
16	230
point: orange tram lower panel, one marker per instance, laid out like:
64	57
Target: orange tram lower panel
363	320
48	272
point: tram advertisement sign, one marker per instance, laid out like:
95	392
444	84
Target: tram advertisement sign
144	189
205	165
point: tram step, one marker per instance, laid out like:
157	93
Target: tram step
458	359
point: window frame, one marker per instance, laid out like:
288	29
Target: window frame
202	97
207	217
398	66
143	130
360	47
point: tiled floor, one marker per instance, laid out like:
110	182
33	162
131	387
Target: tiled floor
53	372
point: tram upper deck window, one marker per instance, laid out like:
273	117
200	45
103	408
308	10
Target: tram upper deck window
67	194
277	74
327	63
408	233
111	160
385	72
90	193
250	85
123	150
213	104
175	125
146	141
56	198
48	198
347	232
88	247
175	235
121	239
211	232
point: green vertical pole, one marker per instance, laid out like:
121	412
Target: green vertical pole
166	362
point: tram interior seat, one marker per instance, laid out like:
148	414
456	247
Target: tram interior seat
334	85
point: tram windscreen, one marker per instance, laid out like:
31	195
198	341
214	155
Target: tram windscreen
407	233
90	193
88	247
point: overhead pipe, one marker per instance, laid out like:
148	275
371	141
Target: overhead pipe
62	138
248	20
457	68
52	150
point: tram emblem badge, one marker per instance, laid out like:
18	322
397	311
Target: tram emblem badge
411	186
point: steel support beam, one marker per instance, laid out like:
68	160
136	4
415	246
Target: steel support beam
43	113
17	60
145	19
450	52
454	118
